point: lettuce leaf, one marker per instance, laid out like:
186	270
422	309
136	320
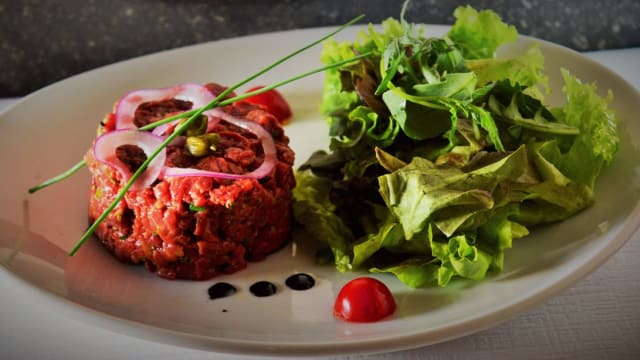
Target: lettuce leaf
417	272
525	70
479	33
425	117
313	209
455	257
333	96
598	141
421	192
442	155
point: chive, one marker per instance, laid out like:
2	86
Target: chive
59	177
211	105
194	114
194	208
183	126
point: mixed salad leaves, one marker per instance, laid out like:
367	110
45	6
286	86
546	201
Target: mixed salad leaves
442	154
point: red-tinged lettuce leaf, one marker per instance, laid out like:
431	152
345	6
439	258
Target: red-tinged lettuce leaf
333	97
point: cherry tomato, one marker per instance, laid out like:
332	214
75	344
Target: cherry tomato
364	299
273	102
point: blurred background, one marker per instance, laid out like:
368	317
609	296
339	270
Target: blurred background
42	42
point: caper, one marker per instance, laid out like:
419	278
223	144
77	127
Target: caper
212	140
197	127
201	145
197	146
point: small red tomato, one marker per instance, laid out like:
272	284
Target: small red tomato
273	102
364	299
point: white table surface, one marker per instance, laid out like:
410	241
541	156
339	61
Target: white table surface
597	318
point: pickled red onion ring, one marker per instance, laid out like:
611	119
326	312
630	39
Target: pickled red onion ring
104	150
268	147
197	94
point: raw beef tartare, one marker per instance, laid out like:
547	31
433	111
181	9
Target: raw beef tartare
185	223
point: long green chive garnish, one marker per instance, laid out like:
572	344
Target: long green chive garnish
59	177
209	106
183	126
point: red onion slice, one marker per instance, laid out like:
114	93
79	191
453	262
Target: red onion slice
268	147
197	94
104	150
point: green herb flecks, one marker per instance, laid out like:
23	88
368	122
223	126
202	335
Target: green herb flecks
194	208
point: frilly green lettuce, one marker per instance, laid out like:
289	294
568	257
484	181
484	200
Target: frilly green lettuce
442	155
480	33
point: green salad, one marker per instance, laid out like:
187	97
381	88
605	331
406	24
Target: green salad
441	154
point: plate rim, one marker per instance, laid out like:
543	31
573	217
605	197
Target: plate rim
458	329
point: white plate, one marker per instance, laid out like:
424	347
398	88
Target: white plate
50	130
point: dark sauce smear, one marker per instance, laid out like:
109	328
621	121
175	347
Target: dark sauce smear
263	289
220	290
300	282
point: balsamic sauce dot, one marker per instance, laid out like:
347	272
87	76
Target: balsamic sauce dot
300	281
220	290
263	289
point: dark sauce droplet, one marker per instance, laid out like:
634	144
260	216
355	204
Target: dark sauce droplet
220	290
263	289
300	281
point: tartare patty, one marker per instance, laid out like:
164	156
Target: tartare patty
197	227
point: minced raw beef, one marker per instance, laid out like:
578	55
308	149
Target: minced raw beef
197	227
